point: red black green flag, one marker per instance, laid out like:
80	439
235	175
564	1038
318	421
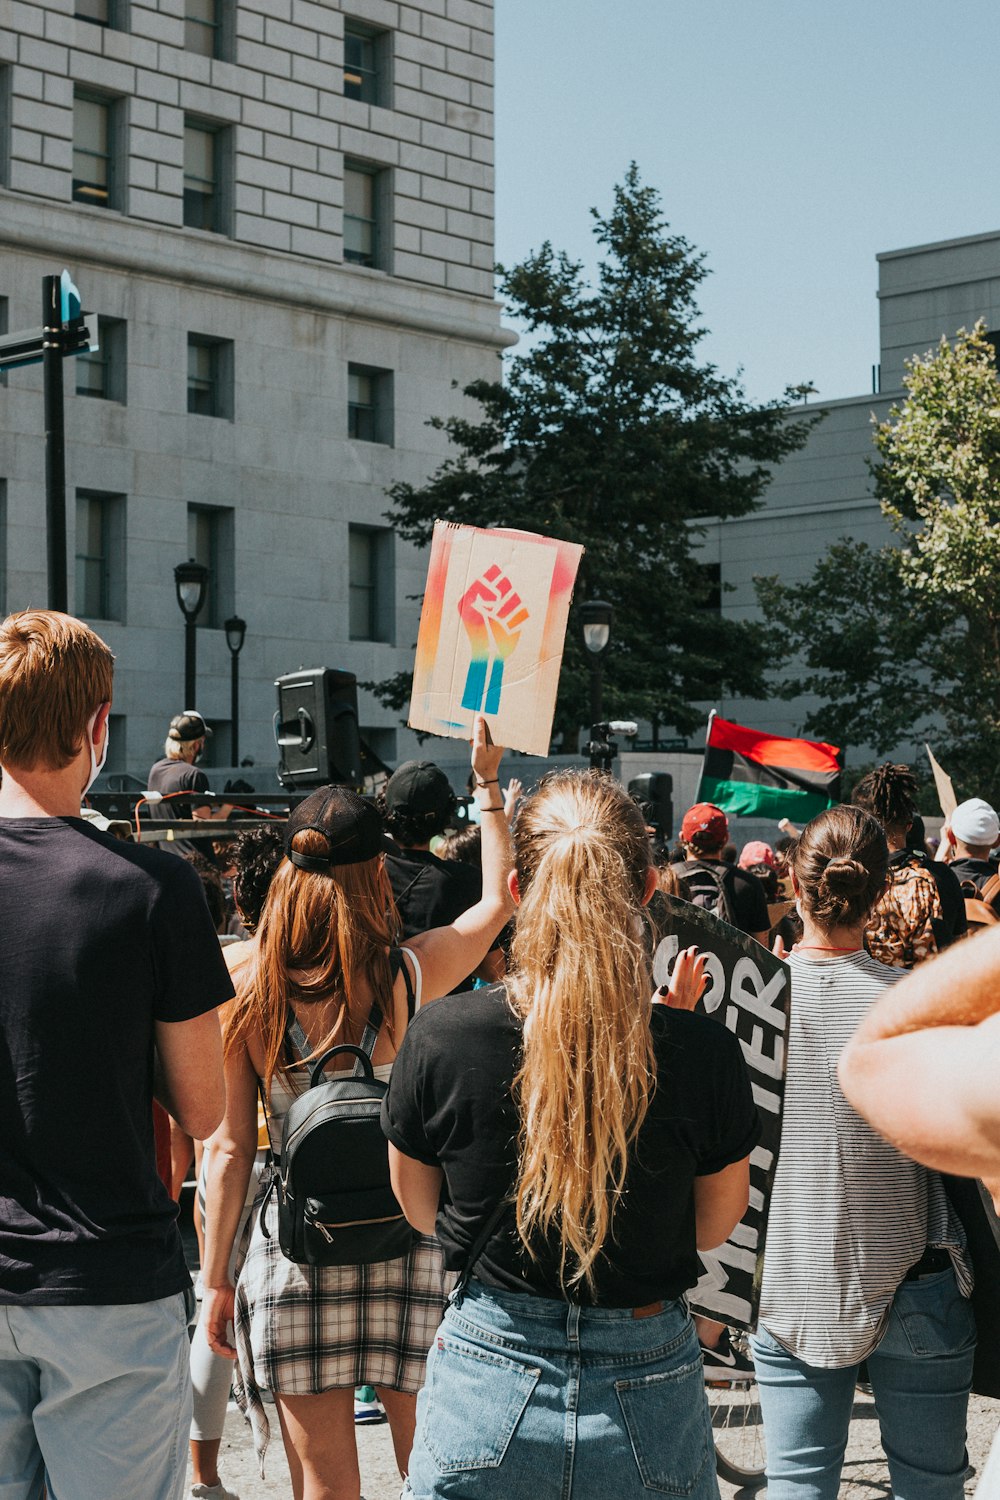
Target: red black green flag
750	774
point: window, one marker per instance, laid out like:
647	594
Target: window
204	28
366	63
369	404
709	588
102	374
210	376
100	555
210	542
95	122
205	162
371	584
102	12
3	546
367	204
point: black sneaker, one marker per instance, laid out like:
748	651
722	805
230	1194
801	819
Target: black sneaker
726	1363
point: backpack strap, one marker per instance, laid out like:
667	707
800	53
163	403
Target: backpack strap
397	964
990	890
297	1042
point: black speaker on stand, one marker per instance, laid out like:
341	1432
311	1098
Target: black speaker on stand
316	728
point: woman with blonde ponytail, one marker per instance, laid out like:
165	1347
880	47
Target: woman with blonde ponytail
573	1143
323	971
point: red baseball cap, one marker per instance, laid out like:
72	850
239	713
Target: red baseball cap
705	824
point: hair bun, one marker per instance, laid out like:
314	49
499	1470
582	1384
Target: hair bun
845	876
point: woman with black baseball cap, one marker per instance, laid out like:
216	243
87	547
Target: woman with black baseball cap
310	1334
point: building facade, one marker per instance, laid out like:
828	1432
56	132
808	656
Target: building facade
282	213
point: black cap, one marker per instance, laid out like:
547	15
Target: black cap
188	726
350	824
419	786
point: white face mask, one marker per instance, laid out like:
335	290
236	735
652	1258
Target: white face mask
96	766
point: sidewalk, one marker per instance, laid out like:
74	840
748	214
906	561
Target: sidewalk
865	1474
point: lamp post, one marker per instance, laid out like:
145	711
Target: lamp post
596	617
191	583
236	630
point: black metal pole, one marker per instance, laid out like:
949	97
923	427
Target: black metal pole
55	444
190	661
234	706
596	690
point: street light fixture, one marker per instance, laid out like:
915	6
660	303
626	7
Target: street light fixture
236	630
596	618
191	583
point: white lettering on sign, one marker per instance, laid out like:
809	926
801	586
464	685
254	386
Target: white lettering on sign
712	1290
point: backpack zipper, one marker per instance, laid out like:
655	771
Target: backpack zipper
324	1226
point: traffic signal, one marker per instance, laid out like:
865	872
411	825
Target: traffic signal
316	728
654	792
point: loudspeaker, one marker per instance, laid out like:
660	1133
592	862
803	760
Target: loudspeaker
654	792
316	728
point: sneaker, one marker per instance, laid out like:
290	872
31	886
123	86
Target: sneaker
726	1363
213	1492
367	1406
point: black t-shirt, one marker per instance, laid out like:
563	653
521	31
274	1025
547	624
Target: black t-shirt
99	939
450	1105
979	871
952	923
169	776
432	892
744	892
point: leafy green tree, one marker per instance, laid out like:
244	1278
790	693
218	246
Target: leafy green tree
902	643
608	431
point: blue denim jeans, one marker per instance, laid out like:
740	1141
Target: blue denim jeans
536	1398
94	1401
921	1374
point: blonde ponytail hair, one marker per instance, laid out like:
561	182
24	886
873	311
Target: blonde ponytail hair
581	984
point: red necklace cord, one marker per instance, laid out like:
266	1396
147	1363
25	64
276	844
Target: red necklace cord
819	948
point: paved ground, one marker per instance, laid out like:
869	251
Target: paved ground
865	1474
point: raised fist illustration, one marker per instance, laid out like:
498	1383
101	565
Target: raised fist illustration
493	615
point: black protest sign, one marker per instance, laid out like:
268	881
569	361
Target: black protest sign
748	991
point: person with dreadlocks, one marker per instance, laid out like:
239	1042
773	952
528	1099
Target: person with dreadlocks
921	910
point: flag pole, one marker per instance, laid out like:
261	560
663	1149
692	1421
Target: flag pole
704	758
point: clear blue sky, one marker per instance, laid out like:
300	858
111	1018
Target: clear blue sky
791	140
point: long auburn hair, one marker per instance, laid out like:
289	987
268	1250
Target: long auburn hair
319	934
581	984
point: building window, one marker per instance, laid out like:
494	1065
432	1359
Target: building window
366	63
111	13
367	203
102	373
210	376
95	122
100	556
210	542
3	546
371	584
205	29
708	595
205	162
369	404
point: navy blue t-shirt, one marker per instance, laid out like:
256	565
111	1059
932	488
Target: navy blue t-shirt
99	940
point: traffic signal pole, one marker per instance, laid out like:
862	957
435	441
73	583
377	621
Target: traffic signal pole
53	345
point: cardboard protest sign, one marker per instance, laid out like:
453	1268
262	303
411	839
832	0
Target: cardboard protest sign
492	631
748	991
942	781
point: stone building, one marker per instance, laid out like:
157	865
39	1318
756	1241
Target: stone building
282	212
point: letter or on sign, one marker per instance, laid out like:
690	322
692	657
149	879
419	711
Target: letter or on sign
748	991
492	631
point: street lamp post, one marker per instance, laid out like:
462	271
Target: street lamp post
236	630
191	583
596	617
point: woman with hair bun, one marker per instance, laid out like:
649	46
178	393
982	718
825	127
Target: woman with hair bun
573	1144
864	1259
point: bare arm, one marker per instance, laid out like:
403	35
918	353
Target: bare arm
448	954
418	1188
922	1066
720	1201
231	1154
189	1081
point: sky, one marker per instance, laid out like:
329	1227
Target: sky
791	141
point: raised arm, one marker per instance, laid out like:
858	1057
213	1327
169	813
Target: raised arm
448	954
923	1065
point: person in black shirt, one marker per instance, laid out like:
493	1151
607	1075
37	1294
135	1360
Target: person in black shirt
572	1144
721	887
177	772
111	977
417	806
973	830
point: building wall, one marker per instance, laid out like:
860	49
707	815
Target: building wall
279	289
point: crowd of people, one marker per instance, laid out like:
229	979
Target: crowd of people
557	1139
